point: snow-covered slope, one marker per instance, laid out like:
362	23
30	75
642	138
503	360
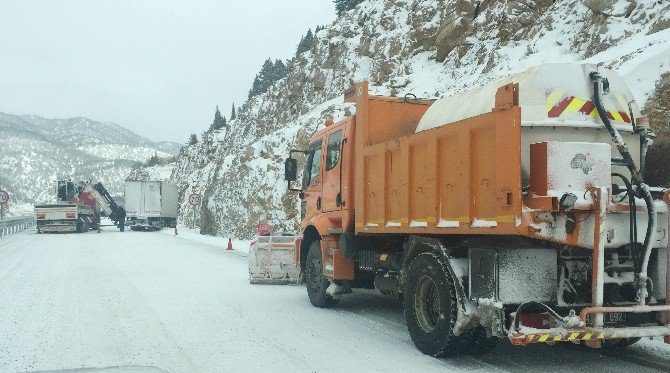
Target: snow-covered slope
426	47
161	172
36	151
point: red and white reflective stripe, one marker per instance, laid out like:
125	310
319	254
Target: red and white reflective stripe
572	104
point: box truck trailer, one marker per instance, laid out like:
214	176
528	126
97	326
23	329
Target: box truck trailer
150	204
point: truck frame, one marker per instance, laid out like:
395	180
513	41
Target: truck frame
488	223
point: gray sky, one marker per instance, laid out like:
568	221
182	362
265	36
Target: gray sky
158	68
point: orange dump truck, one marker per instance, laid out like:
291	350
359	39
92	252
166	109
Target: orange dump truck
515	210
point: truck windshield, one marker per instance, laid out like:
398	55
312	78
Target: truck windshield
313	166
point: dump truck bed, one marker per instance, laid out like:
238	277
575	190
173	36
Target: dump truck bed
456	179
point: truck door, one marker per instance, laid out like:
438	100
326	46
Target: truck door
142	212
152	198
332	173
312	181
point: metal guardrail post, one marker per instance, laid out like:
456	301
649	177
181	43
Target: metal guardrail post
11	226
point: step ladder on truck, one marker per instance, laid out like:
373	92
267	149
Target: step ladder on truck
515	210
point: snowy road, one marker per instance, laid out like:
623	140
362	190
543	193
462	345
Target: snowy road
155	300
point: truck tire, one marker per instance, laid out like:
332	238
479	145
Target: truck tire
479	343
431	307
315	282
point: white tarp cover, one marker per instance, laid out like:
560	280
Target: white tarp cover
542	88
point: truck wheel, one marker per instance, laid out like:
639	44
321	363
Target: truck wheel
431	307
314	280
479	342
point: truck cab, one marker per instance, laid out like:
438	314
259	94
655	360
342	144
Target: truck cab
326	193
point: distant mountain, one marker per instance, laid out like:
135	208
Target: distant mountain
35	151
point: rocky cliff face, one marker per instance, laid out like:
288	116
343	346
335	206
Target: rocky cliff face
425	47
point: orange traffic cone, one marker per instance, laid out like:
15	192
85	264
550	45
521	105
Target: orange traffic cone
230	244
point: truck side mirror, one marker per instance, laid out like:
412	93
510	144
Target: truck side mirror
290	169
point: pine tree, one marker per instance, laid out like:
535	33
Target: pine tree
271	72
233	114
218	122
266	76
193	140
255	87
305	43
153	161
280	70
342	6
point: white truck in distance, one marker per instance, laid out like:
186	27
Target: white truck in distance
150	204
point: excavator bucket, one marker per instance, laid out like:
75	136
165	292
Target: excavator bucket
272	261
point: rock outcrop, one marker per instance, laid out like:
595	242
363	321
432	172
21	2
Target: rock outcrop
426	47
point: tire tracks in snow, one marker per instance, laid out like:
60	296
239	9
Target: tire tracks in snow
128	294
147	284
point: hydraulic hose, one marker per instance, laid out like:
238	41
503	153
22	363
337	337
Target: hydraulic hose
631	206
636	178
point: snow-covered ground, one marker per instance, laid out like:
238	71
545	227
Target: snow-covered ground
183	304
192	236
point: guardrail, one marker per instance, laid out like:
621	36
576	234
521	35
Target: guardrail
15	225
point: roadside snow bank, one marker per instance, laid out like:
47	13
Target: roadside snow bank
188	234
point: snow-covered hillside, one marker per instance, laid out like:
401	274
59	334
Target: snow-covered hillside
426	47
36	151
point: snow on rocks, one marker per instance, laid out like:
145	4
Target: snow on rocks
400	48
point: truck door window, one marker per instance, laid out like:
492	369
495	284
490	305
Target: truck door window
313	165
333	155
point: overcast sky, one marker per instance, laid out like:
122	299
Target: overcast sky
157	67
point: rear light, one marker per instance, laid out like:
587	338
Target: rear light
41	216
70	215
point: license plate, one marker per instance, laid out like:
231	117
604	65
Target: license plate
58	228
610	318
615	317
